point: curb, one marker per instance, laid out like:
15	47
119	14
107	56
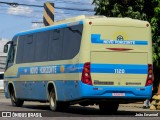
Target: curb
133	105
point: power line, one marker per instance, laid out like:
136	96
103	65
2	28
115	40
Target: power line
3	11
71	2
88	10
17	4
14	4
74	1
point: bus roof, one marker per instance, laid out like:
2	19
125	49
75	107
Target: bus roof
80	20
48	28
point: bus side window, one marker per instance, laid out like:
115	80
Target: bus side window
11	54
29	48
29	39
41	47
55	45
20	49
56	34
71	42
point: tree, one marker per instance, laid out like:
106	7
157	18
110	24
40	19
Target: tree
137	9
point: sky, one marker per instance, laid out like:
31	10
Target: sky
21	18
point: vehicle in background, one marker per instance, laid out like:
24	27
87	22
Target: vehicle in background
3	57
1	80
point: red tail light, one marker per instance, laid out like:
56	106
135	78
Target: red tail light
86	76
150	75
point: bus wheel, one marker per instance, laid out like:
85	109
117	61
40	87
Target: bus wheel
108	107
56	105
53	101
15	102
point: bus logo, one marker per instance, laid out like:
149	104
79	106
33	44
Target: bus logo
120	37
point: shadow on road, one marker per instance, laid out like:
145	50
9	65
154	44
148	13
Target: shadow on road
78	111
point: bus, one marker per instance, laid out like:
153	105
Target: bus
82	60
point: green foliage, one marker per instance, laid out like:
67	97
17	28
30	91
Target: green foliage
137	9
120	8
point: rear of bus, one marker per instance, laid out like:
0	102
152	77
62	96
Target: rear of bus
120	66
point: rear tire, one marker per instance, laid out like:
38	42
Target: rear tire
56	105
108	107
15	102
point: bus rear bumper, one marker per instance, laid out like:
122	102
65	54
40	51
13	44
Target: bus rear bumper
116	92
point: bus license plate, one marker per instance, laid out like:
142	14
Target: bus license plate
118	94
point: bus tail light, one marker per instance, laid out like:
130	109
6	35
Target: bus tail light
149	80
86	76
90	23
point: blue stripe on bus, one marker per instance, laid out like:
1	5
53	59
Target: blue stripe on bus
110	68
71	90
77	68
96	38
49	28
89	91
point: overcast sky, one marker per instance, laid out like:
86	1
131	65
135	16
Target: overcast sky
20	18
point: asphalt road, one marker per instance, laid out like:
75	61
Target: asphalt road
90	112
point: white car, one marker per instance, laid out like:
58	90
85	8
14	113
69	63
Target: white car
1	80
